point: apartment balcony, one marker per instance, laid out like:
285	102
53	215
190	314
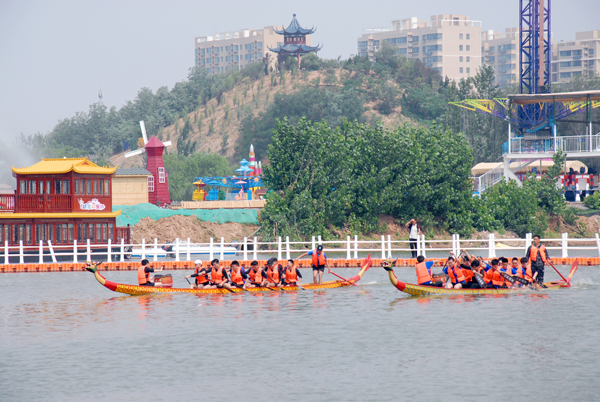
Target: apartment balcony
37	203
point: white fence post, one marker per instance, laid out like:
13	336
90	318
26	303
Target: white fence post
188	252
492	247
75	252
565	242
88	250
319	240
108	257
6	260
287	248
348	247
355	246
598	243
527	240
51	251
222	254
279	248
245	249
254	249
41	253
210	250
418	246
177	249
313	245
21	257
389	246
122	250
382	247
458	244
423	247
143	248
155	258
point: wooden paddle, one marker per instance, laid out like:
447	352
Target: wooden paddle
552	265
344	279
240	287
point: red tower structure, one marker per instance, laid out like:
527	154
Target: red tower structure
158	183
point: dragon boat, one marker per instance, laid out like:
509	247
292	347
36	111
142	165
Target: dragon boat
135	290
423	290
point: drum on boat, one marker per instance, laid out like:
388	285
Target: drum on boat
165	279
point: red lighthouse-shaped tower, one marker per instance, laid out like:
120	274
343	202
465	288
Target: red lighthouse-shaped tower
158	185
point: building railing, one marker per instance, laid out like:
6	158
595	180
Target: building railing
7	203
350	248
580	143
43	203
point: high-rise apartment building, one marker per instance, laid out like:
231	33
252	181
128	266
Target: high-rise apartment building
449	43
572	59
234	50
501	51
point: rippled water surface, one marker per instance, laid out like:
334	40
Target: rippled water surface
63	337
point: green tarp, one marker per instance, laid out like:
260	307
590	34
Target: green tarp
131	214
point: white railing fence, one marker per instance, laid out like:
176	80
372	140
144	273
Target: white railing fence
579	143
350	248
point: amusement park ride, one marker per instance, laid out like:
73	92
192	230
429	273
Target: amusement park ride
533	113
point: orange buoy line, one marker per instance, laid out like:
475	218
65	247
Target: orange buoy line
188	265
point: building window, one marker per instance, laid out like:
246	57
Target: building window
66	187
216	50
460	36
88	187
492	48
565	64
91	232
259	45
468	36
58	231
576	63
468	70
150	184
38	230
460	70
22	187
460	59
44	232
98	233
415	39
415	50
591	63
71	233
400	51
64	233
106	187
28	234
104	232
76	187
32	186
7	233
591	52
565	53
460	48
468	59
79	233
565	75
111	231
161	174
468	48
236	48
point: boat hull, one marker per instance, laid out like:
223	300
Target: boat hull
135	290
423	290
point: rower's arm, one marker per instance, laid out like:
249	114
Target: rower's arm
300	256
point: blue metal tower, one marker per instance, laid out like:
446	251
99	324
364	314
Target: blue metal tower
534	64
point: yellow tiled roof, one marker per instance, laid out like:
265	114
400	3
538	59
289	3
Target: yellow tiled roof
64	165
60	215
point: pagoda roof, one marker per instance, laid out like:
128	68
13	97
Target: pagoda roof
64	165
294	28
59	215
294	48
154	143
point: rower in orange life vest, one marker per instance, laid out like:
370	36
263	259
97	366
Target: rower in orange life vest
255	276
218	276
455	273
144	271
273	273
201	276
319	262
523	270
506	269
423	270
492	276
538	255
237	275
291	274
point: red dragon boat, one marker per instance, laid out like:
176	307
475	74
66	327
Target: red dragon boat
423	290
135	290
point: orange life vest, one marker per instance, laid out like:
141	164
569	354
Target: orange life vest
236	277
290	275
318	259
525	273
533	252
455	274
494	277
217	275
202	278
423	274
273	274
143	276
468	274
256	276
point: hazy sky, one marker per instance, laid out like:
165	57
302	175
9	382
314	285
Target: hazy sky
56	55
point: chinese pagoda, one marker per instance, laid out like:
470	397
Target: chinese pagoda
60	201
294	41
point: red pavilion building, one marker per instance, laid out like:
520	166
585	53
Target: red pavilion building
294	41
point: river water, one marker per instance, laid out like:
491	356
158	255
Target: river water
63	337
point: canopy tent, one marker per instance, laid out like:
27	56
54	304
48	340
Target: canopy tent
484	167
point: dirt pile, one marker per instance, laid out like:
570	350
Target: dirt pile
178	226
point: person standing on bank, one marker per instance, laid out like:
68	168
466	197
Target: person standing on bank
413	235
538	256
319	262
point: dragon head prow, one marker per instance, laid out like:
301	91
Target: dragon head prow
388	264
